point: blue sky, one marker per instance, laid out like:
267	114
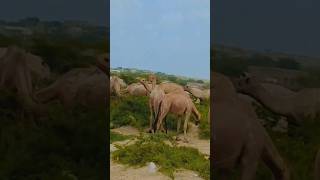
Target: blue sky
170	36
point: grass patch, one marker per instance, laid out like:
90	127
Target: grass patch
117	137
169	158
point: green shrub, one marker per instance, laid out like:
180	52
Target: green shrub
117	137
66	145
169	158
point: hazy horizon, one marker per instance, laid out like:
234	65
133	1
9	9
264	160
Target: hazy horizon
166	36
94	11
281	26
163	72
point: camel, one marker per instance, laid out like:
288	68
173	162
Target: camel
203	95
103	63
239	140
168	87
136	89
156	95
297	106
116	84
87	85
317	166
18	72
181	105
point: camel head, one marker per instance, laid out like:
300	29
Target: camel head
187	88
145	83
246	83
103	63
152	79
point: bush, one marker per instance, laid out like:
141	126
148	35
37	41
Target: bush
170	159
67	145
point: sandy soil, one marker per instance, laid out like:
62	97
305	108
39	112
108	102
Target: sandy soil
121	172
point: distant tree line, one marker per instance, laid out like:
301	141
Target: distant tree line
235	65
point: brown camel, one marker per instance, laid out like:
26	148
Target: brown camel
296	106
156	94
203	95
19	70
317	166
116	84
89	83
181	105
238	137
169	87
136	89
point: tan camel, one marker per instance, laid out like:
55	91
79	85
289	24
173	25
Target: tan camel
168	87
156	95
181	105
136	89
19	70
116	84
238	138
88	83
296	106
317	166
203	95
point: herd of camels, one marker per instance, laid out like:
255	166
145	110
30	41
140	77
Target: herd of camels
238	137
164	98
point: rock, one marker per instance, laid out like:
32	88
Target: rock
152	168
112	148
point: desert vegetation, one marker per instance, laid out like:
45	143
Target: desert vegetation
161	148
297	141
46	140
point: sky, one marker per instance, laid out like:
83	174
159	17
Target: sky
287	25
93	11
169	36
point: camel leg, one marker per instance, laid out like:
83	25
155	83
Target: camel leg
274	161
179	124
249	164
186	126
151	119
162	116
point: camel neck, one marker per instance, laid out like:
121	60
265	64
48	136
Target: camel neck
154	83
147	87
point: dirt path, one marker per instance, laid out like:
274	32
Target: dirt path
202	145
121	172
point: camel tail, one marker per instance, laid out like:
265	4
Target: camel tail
274	161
